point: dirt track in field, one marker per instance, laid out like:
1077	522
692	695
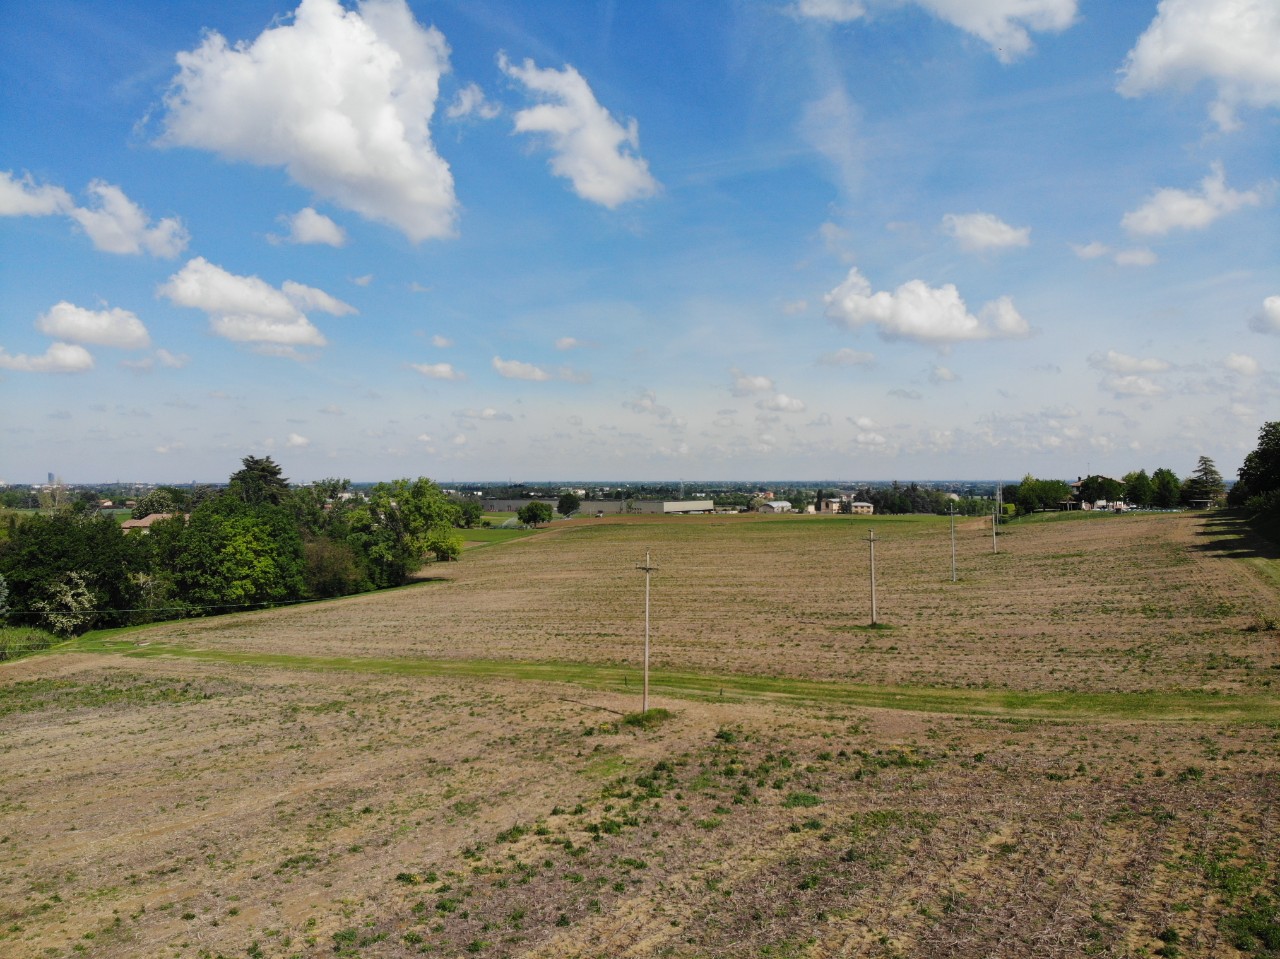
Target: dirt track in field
172	807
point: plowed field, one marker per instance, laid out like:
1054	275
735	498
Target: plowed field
1073	750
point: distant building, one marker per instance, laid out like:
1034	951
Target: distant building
777	506
611	507
144	524
845	503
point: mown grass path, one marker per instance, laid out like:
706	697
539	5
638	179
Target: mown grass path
1163	706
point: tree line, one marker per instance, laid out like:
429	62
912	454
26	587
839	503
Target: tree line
1257	488
259	542
1162	489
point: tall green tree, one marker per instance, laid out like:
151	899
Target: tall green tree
1166	488
1138	488
322	508
259	481
44	549
1205	482
1096	488
1036	494
470	511
534	513
162	499
234	554
1260	472
398	525
568	504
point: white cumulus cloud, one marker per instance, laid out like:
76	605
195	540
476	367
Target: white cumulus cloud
1243	364
1128	376
781	403
1113	362
472	101
308	226
25	197
115	224
1232	44
58	358
1091	251
976	232
171	361
847	357
919	312
297	442
114	327
488	413
1134	256
941	374
1004	25
309	298
342	99
438	371
1170	209
1268	321
591	149
745	384
837	11
1122	386
516	370
247	309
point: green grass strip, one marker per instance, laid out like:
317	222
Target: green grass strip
1176	705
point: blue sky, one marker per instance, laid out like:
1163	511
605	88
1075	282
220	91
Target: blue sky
807	239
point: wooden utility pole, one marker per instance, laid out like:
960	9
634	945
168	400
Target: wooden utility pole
871	540
953	543
648	568
995	519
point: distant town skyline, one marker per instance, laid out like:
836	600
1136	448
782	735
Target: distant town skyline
804	238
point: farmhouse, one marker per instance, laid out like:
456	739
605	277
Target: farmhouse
845	503
144	524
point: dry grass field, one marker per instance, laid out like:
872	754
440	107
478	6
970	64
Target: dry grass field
1073	750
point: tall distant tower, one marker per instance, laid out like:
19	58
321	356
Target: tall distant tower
50	479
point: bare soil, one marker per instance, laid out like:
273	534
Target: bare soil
1120	603
173	807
